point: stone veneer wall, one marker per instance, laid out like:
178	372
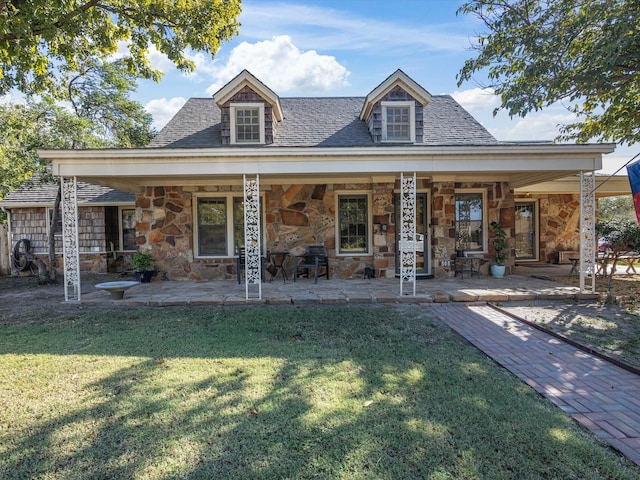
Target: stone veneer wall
298	215
500	207
559	224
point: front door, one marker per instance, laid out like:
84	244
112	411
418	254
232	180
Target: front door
423	246
526	236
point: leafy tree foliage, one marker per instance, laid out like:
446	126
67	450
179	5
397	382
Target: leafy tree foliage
102	116
621	238
582	52
617	209
42	42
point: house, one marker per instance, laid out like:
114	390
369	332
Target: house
106	220
360	175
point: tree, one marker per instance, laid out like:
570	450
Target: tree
621	238
582	52
617	209
43	42
102	116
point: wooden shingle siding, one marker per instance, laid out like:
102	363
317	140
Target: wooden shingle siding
246	95
31	223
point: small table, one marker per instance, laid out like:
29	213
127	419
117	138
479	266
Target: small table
116	289
470	265
277	260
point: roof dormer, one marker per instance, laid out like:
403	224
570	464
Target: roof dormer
250	111
393	111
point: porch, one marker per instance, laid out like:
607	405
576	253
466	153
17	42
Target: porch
531	284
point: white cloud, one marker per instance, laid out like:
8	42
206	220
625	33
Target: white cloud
163	110
159	61
283	67
337	29
477	99
535	126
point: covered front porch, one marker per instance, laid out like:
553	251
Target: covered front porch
525	284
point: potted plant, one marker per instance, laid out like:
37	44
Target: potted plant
501	248
143	265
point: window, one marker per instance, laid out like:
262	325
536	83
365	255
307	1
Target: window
470	222
220	225
353	224
398	121
247	123
128	228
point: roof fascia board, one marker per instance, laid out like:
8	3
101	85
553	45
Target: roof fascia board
245	78
397	78
423	151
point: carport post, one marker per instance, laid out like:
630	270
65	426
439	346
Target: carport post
70	250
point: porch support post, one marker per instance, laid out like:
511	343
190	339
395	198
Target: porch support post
252	244
70	249
587	233
408	231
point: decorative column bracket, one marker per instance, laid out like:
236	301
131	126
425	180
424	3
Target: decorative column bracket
407	245
587	233
252	243
70	249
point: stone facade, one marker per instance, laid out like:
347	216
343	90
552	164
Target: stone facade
297	215
558	223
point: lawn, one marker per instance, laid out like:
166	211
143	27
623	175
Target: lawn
320	392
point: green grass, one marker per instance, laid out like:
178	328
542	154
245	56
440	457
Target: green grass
267	392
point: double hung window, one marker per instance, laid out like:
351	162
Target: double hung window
353	224
247	123
398	121
220	225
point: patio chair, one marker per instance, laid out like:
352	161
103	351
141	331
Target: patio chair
314	258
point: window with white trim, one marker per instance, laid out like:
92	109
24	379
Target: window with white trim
247	123
353	224
398	121
471	219
220	225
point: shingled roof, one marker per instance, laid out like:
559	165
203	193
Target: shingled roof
37	193
322	122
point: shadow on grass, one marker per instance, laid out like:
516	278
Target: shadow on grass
344	392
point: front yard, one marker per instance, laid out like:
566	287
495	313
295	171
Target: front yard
274	392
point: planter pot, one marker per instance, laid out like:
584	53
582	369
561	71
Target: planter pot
497	271
460	253
145	276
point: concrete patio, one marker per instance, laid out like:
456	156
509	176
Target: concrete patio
527	283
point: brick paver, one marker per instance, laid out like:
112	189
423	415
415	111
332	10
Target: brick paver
602	396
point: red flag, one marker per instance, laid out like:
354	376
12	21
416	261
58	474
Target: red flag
633	171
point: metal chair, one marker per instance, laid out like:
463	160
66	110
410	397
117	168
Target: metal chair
314	258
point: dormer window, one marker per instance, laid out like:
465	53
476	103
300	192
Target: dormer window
247	123
398	122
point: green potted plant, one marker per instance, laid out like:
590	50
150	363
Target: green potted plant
501	247
142	263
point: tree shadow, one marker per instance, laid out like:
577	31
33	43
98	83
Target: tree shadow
293	393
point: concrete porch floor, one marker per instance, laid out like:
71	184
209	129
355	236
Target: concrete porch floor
527	283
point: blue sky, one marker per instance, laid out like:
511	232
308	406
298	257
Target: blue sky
346	48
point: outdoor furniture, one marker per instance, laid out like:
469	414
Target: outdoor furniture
241	264
469	265
277	265
575	262
116	289
314	258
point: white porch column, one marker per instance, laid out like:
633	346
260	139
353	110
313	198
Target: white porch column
70	248
408	231
587	233
252	237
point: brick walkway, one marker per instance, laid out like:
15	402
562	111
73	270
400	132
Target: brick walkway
601	396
